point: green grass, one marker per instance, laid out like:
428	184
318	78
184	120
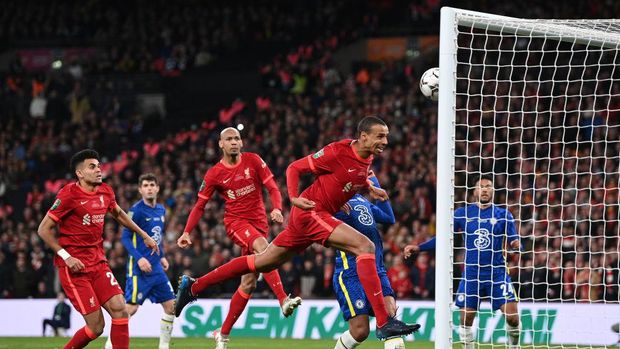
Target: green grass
235	343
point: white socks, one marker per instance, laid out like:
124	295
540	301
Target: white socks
513	335
165	331
466	335
346	341
394	343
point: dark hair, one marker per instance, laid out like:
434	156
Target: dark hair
82	155
488	177
150	177
367	123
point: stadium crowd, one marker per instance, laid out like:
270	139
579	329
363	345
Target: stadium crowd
306	103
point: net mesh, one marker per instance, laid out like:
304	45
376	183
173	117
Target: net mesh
538	109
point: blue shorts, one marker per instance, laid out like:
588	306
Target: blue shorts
499	288
156	288
351	297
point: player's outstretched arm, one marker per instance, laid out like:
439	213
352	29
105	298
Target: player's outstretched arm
412	249
121	217
47	235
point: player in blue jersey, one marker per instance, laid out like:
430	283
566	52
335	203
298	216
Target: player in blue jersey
362	215
487	229
146	273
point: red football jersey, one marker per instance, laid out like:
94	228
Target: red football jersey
340	174
240	186
79	215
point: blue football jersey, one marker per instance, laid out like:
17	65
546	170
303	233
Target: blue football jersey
151	220
486	232
363	217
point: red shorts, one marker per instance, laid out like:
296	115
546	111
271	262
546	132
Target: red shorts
89	288
305	228
244	232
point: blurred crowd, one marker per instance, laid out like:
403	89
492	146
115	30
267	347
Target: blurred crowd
567	221
158	36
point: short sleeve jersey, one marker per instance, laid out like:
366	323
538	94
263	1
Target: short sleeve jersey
80	218
340	172
240	186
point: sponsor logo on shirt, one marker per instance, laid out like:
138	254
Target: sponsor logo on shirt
156	234
483	240
347	187
231	194
87	219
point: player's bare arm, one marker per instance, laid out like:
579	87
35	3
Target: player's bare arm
47	234
121	217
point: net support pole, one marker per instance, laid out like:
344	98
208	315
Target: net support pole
445	174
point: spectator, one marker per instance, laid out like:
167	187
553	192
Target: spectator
61	318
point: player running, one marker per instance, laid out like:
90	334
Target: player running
239	178
146	273
85	275
486	228
362	214
341	169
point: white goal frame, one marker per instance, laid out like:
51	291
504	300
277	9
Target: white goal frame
451	18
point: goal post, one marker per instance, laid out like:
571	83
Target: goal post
535	104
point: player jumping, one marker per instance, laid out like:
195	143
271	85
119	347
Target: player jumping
341	169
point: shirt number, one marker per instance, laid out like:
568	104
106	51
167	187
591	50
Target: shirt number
110	276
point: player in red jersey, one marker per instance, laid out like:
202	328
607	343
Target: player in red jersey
239	178
341	169
78	215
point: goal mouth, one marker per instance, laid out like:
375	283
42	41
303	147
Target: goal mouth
535	106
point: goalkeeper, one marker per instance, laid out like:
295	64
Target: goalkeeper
487	227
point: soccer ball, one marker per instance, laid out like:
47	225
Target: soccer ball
429	83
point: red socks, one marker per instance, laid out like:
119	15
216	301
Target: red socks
237	305
236	267
81	338
274	282
119	334
367	272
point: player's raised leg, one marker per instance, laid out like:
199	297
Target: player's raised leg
347	239
119	333
271	258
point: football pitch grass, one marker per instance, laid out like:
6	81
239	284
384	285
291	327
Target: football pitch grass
235	343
